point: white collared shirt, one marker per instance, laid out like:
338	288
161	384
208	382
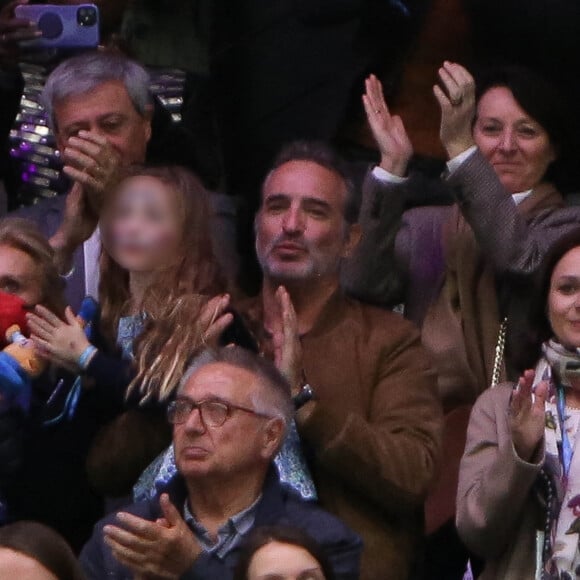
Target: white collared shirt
452	165
519	197
92	252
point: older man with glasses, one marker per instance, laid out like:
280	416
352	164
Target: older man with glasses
229	420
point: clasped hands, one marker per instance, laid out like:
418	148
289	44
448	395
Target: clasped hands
215	318
288	356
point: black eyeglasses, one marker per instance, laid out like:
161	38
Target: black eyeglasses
213	412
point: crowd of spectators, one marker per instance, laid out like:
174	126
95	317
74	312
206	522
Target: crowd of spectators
233	354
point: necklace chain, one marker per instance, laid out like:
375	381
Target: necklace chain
499	352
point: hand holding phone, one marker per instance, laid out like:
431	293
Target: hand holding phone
75	26
14	30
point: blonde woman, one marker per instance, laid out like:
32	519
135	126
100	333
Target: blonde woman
157	277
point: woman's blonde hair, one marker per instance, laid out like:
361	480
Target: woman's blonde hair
172	303
22	234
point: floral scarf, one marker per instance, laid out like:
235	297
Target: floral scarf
560	551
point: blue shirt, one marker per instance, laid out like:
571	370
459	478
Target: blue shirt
277	505
229	535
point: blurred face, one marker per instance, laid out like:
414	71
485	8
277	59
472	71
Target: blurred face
19	275
16	565
516	145
108	111
143	229
277	561
244	442
301	233
564	300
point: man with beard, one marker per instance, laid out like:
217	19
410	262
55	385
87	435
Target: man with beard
371	430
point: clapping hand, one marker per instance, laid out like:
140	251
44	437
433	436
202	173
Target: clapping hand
60	341
214	319
457	102
527	415
160	550
388	130
93	165
78	224
286	341
92	162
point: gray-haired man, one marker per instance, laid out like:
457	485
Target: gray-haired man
229	420
100	108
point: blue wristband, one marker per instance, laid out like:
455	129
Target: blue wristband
87	356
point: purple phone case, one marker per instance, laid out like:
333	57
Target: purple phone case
60	26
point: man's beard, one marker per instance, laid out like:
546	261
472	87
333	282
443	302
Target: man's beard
316	266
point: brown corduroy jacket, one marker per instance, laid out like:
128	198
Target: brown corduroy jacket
373	433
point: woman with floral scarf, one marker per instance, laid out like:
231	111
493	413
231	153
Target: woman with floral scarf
518	502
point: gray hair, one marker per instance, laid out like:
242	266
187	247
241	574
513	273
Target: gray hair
81	74
274	396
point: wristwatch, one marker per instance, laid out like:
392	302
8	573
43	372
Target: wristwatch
305	395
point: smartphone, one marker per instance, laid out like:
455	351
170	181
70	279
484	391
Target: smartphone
75	26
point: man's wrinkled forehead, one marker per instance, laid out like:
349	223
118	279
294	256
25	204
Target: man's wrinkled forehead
220	380
105	100
305	180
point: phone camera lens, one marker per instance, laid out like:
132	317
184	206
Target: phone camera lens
86	16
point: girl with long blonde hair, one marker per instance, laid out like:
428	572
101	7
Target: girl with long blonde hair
162	275
157	279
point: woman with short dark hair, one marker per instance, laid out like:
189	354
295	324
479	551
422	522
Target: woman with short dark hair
542	102
506	135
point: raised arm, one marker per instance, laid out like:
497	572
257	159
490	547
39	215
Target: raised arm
388	130
512	242
372	273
